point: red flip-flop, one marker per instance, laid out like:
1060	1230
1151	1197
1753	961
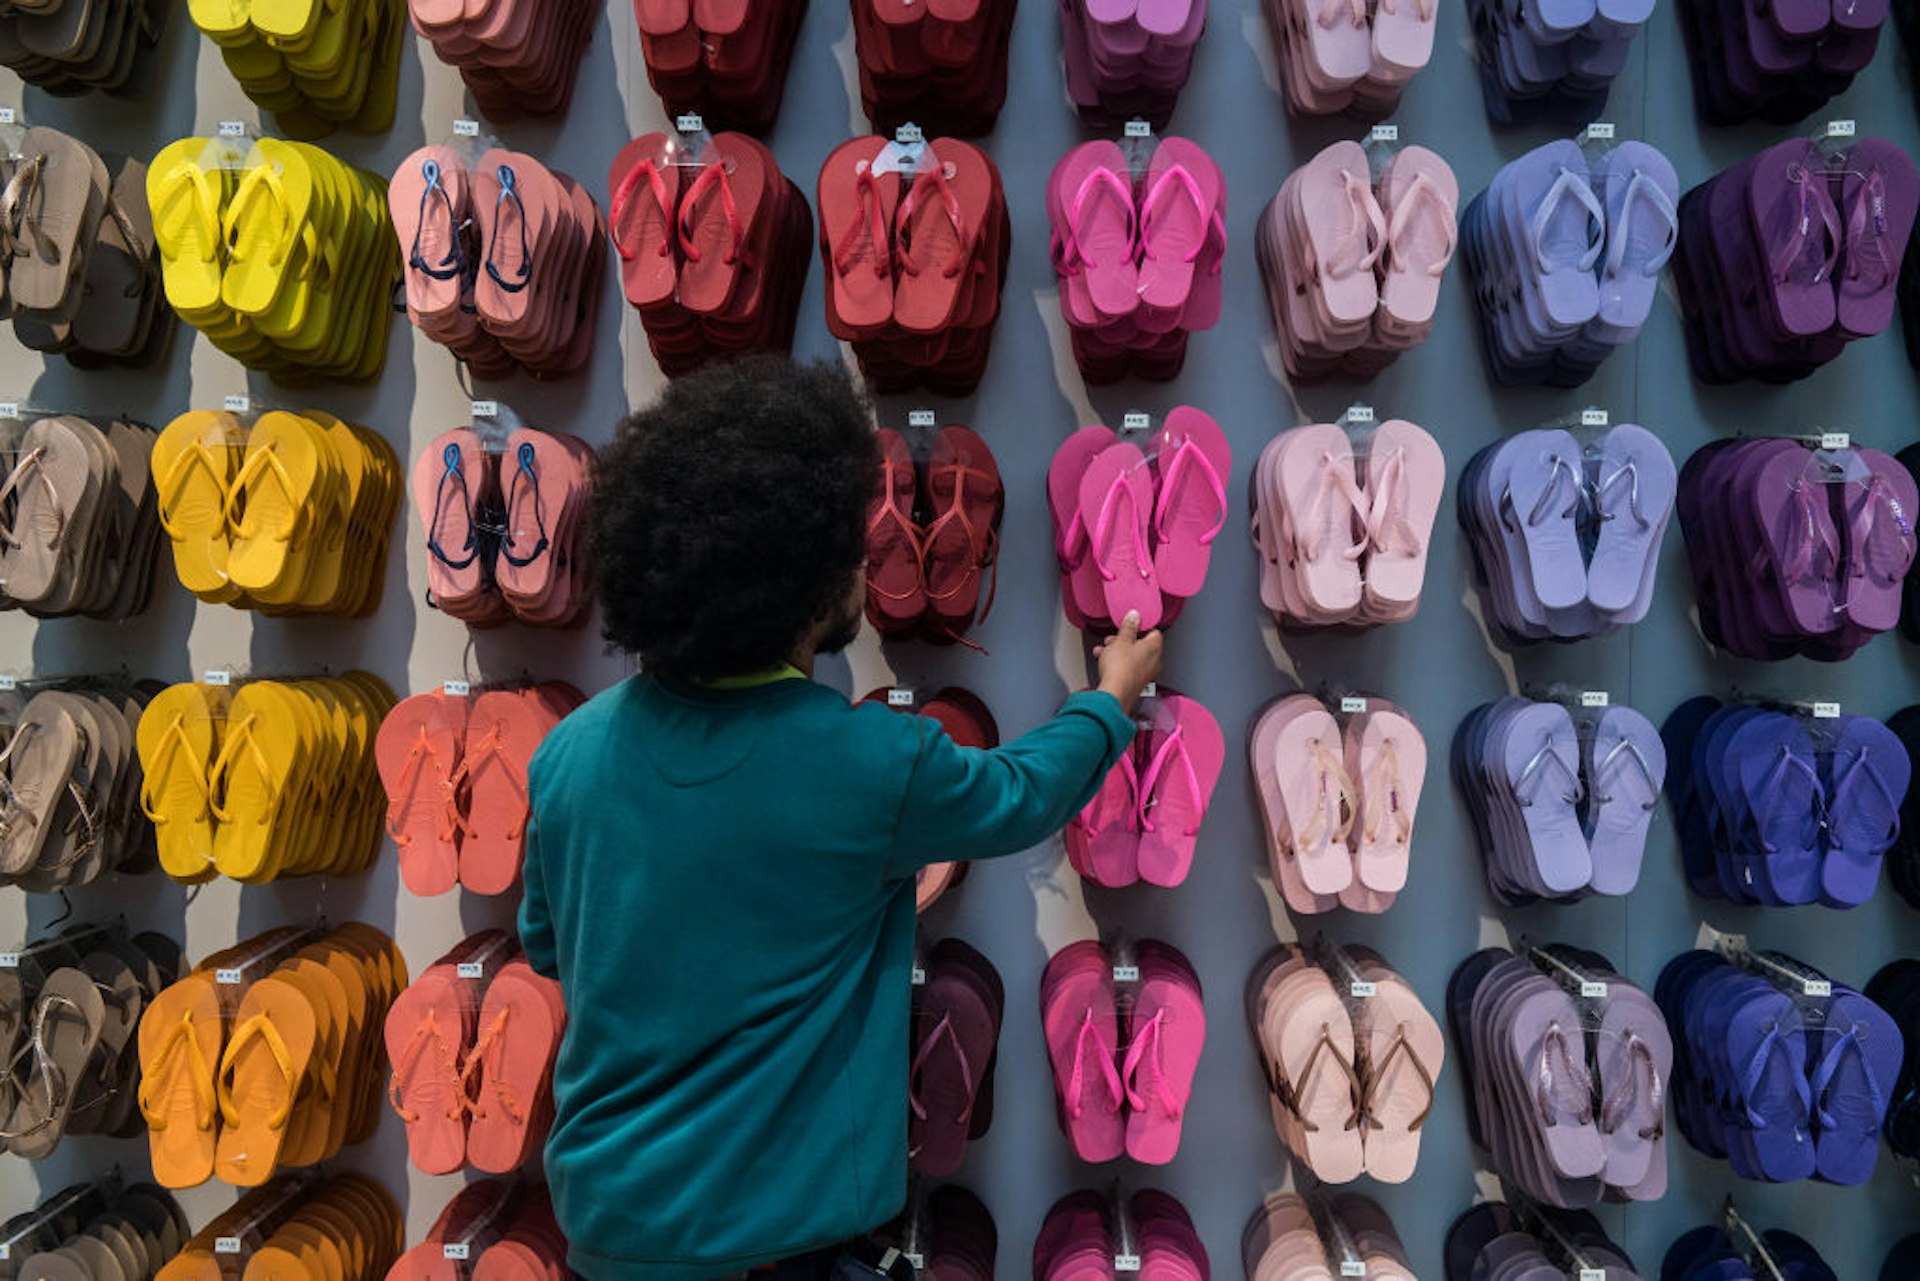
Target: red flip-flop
418	750
939	224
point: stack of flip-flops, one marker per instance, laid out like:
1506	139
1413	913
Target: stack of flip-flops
1352	267
1782	1072
515	59
1788	256
1492	1239
1566	257
81	275
316	66
1129	61
1796	551
1565	540
713	246
1133	528
968	723
1711	1253
76	1231
950	1232
69	1007
282	1228
278	253
728	62
1777	63
1144	822
958	1002
259	780
73	786
1567	1066
1343	532
289	515
503	259
1138	258
933	536
1286	1241
1903	858
1775	807
1561	811
79	519
1339	801
915	240
1552	64
505	1227
1895	990
941	66
1351	1059
454	767
1124	1034
268	1055
71	47
1351	57
472	1042
1085	1233
504	526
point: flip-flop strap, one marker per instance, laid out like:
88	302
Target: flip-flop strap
1814	202
524	469
171	482
451	470
1651	194
942	1034
1331	11
1291	1093
1310	536
1149	1051
490	746
180	1047
1129	773
1869	208
1814	534
192	179
223	763
1177	179
34	461
397	800
454	264
1174	748
712	176
1569	185
890	510
1862	766
1383	796
1401	1046
1547	755
1189	457
45	1067
1630	472
1789	759
264	462
479	1059
14	199
936	178
1104	525
1422	189
1756	1068
261	180
1821	1081
623	204
1620	1098
403	1071
1880	498
258	1028
1365	235
1102	1056
1629	749
510	190
1547	1085
1543	505
1386	511
174	743
870	217
956	514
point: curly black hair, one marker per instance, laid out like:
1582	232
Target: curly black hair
730	517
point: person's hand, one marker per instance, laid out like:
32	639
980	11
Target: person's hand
1129	661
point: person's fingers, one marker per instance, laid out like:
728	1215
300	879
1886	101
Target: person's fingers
1130	626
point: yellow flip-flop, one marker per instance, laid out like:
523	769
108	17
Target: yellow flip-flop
187	203
269	501
178	738
252	778
193	470
265	223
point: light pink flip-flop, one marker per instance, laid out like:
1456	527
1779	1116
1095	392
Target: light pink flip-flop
1406	473
1420	196
1328	511
1263	750
1387	760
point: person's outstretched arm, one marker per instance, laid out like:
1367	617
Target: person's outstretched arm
966	803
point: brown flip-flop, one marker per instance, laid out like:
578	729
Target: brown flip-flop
63	1033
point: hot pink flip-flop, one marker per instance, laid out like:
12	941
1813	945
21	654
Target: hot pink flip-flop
1116	505
1185	754
1192	462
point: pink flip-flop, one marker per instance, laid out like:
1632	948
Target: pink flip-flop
1081	585
1083	1032
1093	192
1191	464
1116	506
1185	754
1406	473
1184	204
1168	1030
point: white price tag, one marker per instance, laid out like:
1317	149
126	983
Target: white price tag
9	683
7	116
1836	440
1135	422
921	418
232	129
1591	991
1352	705
470	970
1359	415
1384	133
919	976
456	1251
918	1260
217	677
1826	711
1126	974
456	689
691	122
1126	1263
1598	131
9	960
1816	987
484	409
9	409
6	1252
899	698
1139	129
226	1245
909	134
1594	418
1150	690
1595	698
1352	1268
226	978
1593	1274
466	128
237	404
1841	128
1363	989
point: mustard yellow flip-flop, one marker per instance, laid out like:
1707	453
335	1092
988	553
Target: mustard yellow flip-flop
193	470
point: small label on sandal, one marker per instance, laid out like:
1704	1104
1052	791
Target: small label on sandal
909	134
1594	418
1595	698
1384	133
1816	987
6	118
217	677
1598	131
691	122
899	698
9	683
226	1245
1353	704
1359	415
456	1251
9	960
237	404
1126	974
1593	1274
471	970
1826	711
1139	129
919	976
231	129
1362	989
1126	1263
9	409
466	128
456	689
1352	1268
484	409
1841	128
1592	991
1150	690
226	978
1836	440
1135	422
6	1251
922	418
918	1260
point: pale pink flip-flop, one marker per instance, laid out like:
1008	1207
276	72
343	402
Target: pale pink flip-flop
1116	505
1404	1050
1406	473
1387	760
1192	462
1309	1040
1318	796
1263	750
1420	196
1328	509
1345	229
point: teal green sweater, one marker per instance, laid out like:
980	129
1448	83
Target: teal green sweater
722	882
